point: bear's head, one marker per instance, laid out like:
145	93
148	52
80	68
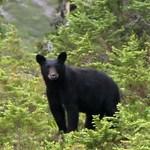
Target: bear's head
52	69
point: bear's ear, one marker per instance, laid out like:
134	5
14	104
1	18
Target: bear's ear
40	59
62	57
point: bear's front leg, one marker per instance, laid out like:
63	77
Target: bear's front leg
72	117
59	116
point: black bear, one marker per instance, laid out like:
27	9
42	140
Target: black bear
72	90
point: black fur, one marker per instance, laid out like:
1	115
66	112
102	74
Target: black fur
77	90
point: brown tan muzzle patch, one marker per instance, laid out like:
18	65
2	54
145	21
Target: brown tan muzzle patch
52	74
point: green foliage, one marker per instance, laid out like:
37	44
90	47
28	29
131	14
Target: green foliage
94	39
24	117
130	67
99	25
82	33
1	1
125	131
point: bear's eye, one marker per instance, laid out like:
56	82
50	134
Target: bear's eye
47	66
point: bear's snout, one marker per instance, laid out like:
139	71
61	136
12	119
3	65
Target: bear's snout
53	75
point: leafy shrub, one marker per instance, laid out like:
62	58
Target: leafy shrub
25	121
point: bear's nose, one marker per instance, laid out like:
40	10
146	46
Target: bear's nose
53	76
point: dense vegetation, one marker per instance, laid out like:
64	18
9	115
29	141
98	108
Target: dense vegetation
109	36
